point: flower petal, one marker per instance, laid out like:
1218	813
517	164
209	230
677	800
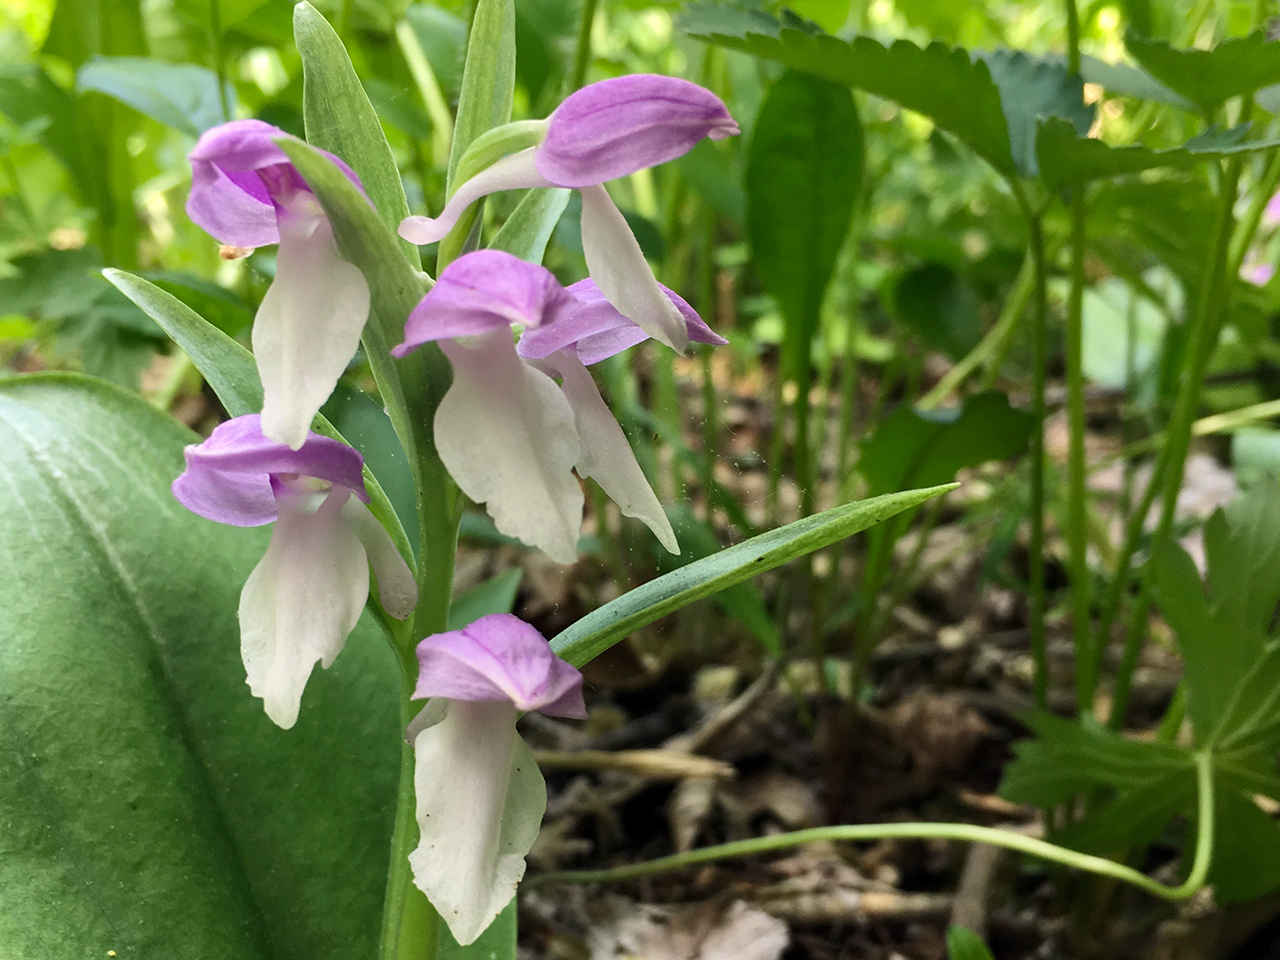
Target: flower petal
499	658
301	601
615	127
606	456
506	434
480	801
599	331
228	199
484	291
514	172
228	476
619	269
307	328
397	589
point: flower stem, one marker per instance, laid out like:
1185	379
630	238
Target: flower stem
1077	523
964	832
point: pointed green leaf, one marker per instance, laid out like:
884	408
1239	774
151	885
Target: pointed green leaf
607	625
1064	155
529	228
232	373
1210	77
340	119
804	173
181	95
149	807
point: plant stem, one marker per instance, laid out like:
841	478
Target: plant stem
1039	349
1077	524
964	832
219	56
582	53
1203	339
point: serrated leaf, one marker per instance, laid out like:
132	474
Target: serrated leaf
607	625
1223	627
233	374
181	95
939	81
1210	77
149	806
1032	89
804	172
1067	757
1064	155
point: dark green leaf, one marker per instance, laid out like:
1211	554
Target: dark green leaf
913	448
1129	81
939	306
493	596
1032	89
181	95
605	626
803	175
1064	155
150	808
1210	77
1223	627
941	82
1246	850
1067	757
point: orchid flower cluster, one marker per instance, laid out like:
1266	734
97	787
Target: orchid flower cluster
517	422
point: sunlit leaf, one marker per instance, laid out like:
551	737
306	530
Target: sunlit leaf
181	95
1210	77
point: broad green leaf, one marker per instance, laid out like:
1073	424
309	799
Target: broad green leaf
964	944
396	288
340	119
939	81
804	172
1210	77
82	29
913	448
181	95
497	595
232	373
1129	81
28	95
1030	89
1224	626
1067	757
607	625
529	228
149	806
1064	155
1246	850
939	306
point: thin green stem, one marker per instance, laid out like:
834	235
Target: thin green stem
964	832
582	53
1039	349
1073	37
1201	342
219	56
1077	523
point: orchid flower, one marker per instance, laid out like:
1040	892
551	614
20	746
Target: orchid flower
507	433
305	595
480	795
246	193
604	131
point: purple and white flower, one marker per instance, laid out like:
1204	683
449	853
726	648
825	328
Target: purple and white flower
511	436
305	595
604	131
246	193
480	795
